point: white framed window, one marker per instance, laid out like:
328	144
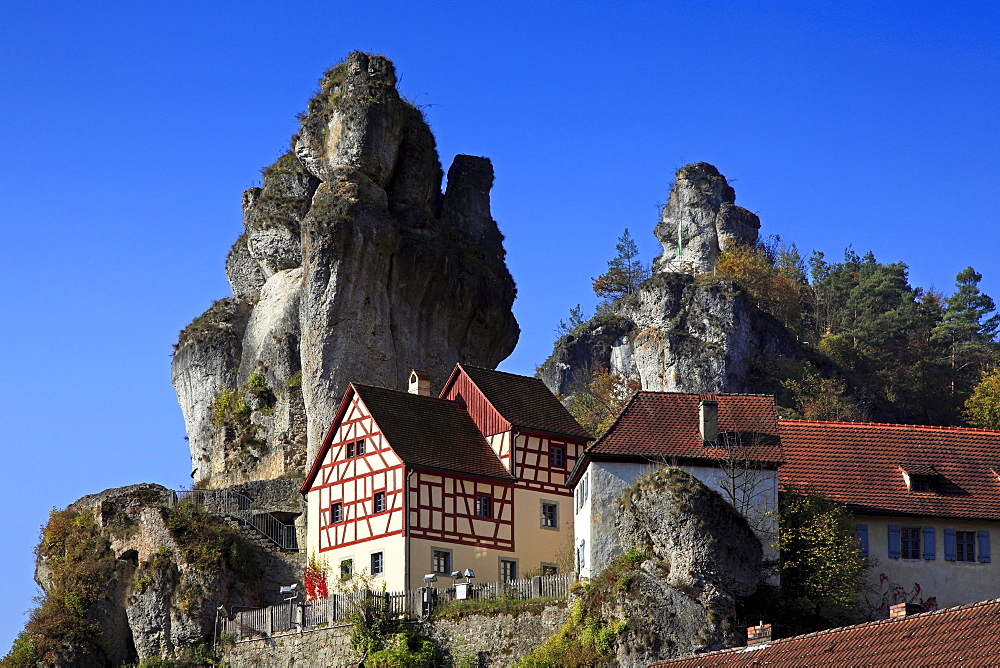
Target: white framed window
550	515
378	502
336	513
377	563
508	569
484	506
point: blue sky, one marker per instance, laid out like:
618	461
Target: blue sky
128	132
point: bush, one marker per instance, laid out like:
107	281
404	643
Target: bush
208	543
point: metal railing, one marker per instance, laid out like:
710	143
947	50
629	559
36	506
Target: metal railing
337	609
243	509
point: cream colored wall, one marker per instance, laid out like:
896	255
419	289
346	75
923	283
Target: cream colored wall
534	545
394	561
952	582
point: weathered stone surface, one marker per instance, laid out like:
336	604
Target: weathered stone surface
157	604
684	329
370	271
701	554
703	205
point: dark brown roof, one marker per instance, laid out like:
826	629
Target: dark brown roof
862	464
665	425
525	402
431	432
965	636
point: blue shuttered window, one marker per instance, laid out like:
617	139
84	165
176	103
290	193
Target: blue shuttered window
949	544
984	546
929	547
861	531
893	541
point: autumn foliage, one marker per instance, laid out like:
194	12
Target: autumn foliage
314	578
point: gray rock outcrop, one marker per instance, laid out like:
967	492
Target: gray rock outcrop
700	220
170	568
684	329
700	555
353	266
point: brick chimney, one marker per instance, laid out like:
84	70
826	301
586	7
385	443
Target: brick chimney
758	634
904	610
708	420
420	383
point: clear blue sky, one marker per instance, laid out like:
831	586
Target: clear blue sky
128	132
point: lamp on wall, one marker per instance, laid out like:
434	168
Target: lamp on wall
469	574
430	577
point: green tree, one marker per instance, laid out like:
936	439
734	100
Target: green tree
982	408
625	272
967	330
576	318
822	570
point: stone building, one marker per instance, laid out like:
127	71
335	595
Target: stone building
406	484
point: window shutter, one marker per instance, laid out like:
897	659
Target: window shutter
949	544
984	546
929	547
893	541
862	533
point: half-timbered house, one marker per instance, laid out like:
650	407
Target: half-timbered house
407	484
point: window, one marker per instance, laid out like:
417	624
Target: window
440	561
557	456
350	450
346	569
549	569
484	506
359	448
508	570
909	540
378	565
965	545
861	531
336	513
921	484
378	504
550	515
581	555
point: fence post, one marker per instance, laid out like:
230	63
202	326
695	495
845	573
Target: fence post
536	586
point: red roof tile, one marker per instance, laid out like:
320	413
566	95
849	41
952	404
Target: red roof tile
525	402
965	636
862	466
666	425
431	432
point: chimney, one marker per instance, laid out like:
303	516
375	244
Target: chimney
708	421
420	383
904	610
758	634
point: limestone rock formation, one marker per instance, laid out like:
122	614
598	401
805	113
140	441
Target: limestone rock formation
684	329
699	220
353	266
160	572
700	556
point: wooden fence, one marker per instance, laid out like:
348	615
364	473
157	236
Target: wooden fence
297	616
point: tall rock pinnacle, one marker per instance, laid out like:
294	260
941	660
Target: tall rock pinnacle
699	220
353	266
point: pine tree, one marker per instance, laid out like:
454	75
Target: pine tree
625	272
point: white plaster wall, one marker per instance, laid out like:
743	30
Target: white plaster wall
952	582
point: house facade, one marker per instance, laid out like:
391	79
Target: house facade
729	442
406	484
926	500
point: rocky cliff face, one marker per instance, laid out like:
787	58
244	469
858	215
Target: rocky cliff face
353	266
699	556
684	330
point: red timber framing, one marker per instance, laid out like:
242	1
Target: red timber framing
443	509
535	467
352	481
493	426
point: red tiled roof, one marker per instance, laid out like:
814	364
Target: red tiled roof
666	425
431	432
525	402
965	636
862	466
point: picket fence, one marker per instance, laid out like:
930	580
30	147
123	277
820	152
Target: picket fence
297	616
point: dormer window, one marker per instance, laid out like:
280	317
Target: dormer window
920	478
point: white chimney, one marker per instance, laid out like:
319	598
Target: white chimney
420	383
708	422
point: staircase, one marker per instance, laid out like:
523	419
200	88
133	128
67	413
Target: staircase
240	510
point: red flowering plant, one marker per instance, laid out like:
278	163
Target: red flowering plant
314	578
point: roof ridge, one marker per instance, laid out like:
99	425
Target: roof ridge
891	425
409	394
876	622
465	365
701	394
